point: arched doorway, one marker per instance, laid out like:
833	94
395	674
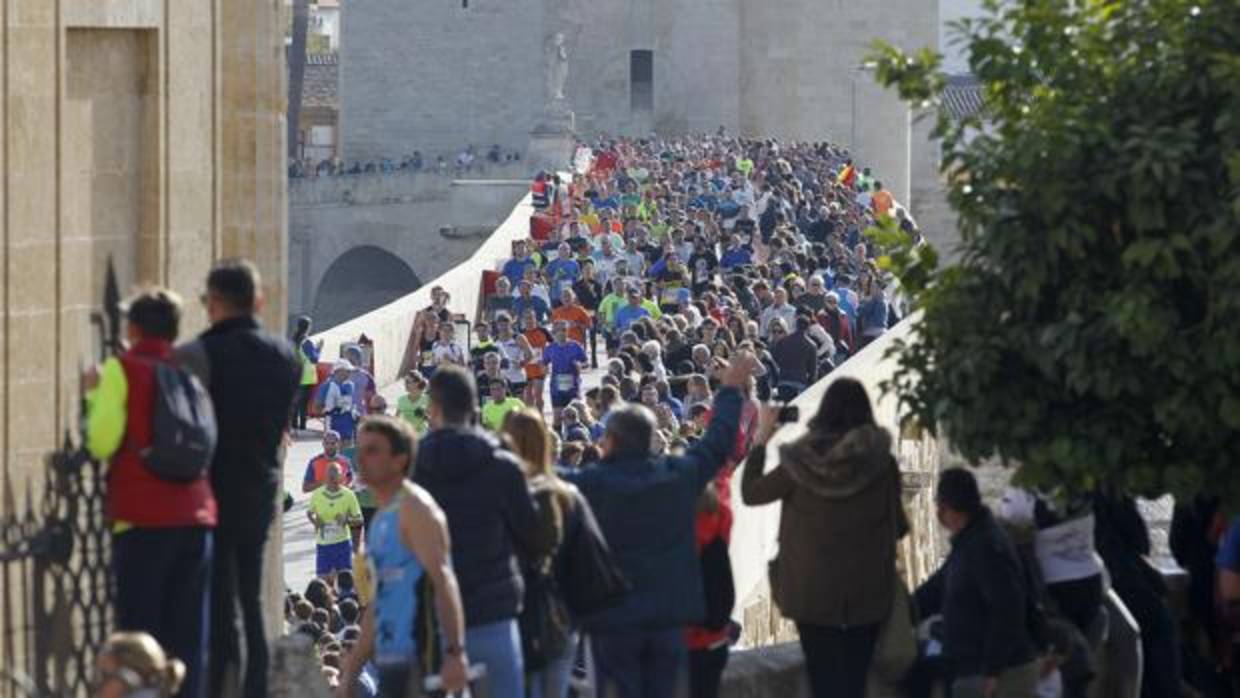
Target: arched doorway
360	280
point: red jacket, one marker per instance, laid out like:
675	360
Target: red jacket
136	496
718	524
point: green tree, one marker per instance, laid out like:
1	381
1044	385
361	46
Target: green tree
1090	330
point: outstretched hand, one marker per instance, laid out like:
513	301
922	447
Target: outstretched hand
739	370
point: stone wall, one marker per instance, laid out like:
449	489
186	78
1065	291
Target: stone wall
141	130
391	325
401	214
435	76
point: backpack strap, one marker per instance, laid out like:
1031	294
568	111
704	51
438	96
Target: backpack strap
193	357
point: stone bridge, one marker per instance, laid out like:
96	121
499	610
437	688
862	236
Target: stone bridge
357	242
754	534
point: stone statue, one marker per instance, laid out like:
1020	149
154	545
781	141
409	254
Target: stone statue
557	71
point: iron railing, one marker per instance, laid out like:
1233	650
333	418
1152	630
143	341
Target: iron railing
55	561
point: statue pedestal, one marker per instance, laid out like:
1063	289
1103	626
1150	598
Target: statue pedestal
553	143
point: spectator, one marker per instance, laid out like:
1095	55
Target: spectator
982	594
308	354
252	377
162	533
133	664
531	443
491	517
1123	541
842	516
639	646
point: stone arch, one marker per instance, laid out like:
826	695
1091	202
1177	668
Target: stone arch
358	281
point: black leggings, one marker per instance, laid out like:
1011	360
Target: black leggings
301	406
706	671
838	659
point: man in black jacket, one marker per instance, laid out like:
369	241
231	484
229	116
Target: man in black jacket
982	594
252	376
492	519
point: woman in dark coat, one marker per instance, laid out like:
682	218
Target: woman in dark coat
835	574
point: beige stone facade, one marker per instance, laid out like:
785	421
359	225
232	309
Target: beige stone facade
148	131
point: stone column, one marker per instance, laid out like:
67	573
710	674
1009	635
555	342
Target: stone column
252	183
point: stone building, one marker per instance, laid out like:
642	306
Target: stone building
142	130
436	76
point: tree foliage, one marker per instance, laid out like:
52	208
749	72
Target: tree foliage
1090	330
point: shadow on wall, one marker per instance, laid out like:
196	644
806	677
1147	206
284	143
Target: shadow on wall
360	280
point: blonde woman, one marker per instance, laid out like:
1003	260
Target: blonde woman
549	663
133	665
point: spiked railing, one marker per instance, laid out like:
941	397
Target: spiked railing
55	559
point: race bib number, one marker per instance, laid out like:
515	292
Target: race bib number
565	383
332	530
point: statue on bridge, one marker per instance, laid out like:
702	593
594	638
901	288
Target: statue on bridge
556	73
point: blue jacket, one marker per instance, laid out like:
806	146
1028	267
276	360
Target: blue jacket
647	509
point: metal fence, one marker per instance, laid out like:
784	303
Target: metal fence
54	570
55	549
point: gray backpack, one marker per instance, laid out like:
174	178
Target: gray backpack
183	430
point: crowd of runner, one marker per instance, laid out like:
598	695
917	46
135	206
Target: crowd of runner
663	261
516	529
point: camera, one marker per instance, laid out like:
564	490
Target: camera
788	414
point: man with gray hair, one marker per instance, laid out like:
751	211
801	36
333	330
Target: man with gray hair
646	507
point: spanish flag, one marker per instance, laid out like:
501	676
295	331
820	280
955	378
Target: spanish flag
848	176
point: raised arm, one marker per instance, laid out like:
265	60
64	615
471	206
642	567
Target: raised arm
708	456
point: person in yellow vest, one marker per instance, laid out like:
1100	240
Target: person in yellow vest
308	354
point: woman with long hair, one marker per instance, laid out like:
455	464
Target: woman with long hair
308	354
549	667
835	574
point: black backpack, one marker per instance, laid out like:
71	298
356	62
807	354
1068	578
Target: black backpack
183	430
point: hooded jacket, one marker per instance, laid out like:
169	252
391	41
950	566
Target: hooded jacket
842	515
491	518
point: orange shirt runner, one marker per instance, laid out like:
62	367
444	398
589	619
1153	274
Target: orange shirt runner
578	320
